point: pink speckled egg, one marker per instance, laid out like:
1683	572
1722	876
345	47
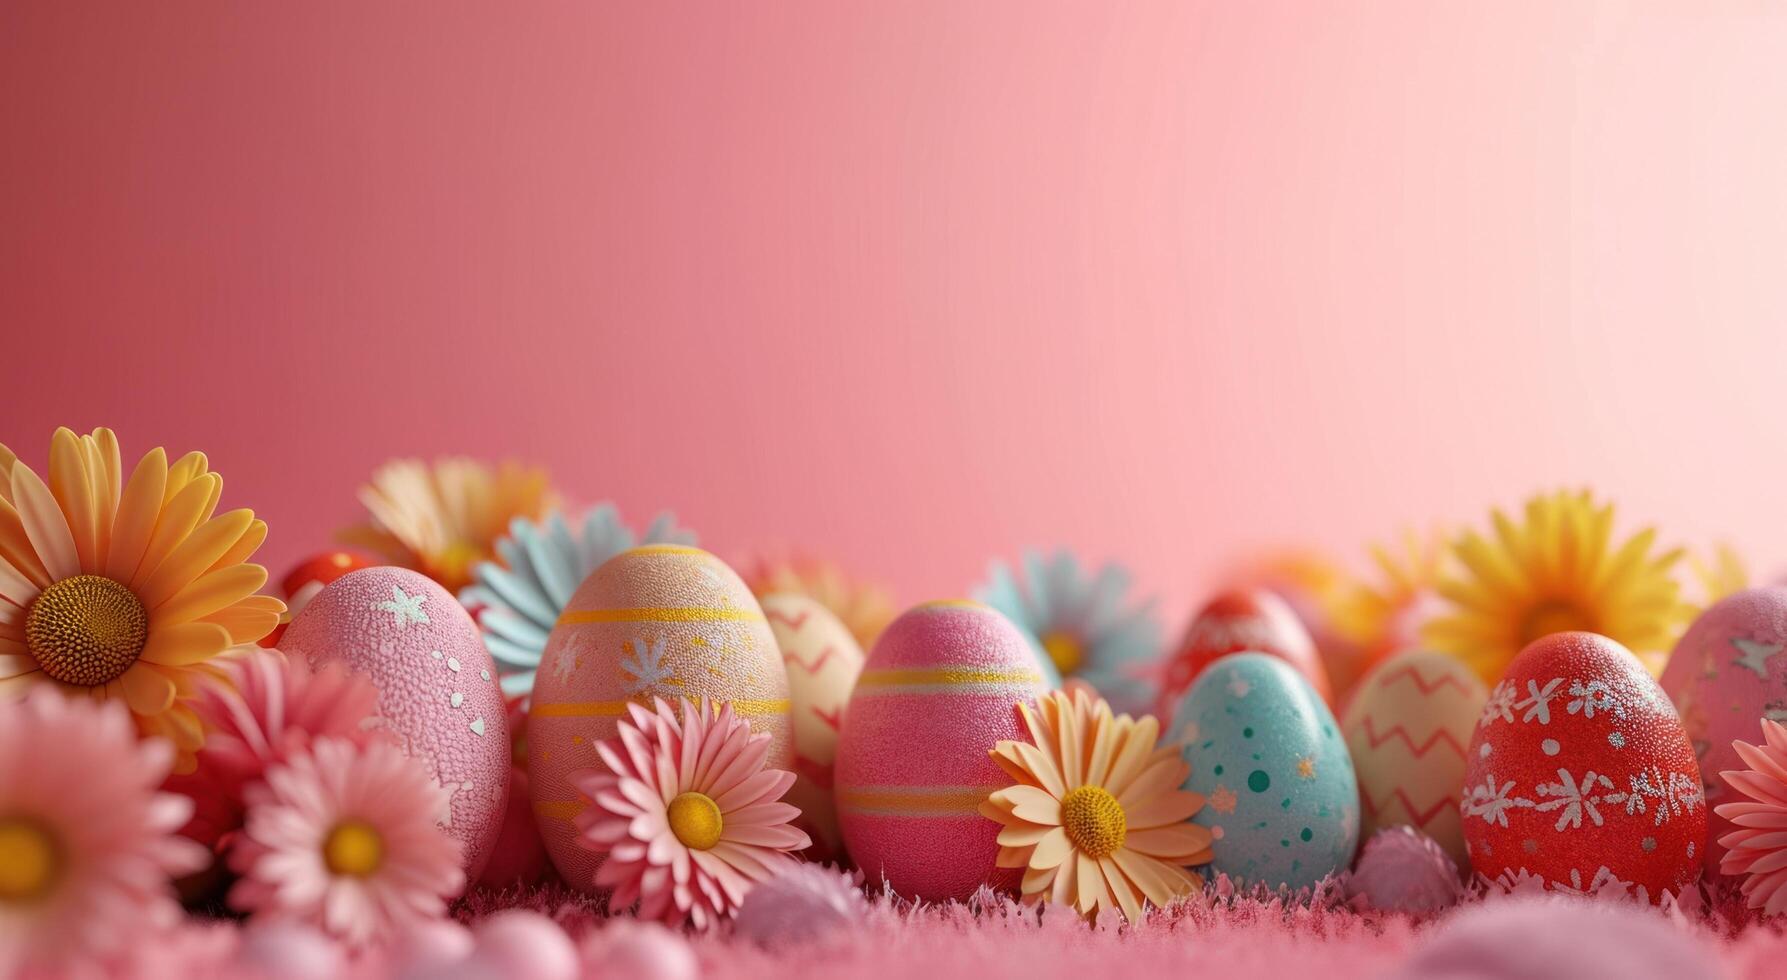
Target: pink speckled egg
437	686
664	621
1728	672
822	660
937	694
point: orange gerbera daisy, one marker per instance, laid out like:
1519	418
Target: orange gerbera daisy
442	520
120	588
1097	819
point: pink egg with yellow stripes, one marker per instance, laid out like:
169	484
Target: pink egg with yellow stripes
937	693
661	621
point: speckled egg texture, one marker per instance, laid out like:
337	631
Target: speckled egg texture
437	686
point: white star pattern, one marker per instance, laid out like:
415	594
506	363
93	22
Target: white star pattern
1592	697
1576	799
1500	703
1753	655
405	609
1491	801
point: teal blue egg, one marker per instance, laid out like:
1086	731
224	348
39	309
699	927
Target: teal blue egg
1280	797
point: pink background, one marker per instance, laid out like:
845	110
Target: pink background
916	284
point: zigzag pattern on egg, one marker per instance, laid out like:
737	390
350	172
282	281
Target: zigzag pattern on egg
1408	727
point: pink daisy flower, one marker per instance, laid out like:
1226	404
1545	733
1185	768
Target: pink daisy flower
265	706
87	844
1756	848
688	817
344	837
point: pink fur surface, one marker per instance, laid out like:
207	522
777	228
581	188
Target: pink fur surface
1219	934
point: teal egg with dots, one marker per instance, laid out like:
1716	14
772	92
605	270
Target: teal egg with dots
1280	797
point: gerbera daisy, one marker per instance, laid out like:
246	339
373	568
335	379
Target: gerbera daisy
542	564
1558	571
1097	819
124	588
443	519
1720	575
87	845
864	608
1083	625
345	838
1386	617
265	707
1756	850
685	812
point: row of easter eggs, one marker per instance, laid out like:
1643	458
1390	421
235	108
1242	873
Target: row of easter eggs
1276	770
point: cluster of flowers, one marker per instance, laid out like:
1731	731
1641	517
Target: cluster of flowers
146	737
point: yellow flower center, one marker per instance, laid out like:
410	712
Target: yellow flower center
1065	650
1094	821
695	820
86	630
354	848
30	860
1547	618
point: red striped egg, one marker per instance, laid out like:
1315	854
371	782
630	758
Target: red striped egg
1241	621
939	690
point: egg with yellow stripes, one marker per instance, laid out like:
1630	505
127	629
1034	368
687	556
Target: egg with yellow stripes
938	691
663	621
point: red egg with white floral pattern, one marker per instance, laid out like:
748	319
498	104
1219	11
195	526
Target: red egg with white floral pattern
1240	621
1581	773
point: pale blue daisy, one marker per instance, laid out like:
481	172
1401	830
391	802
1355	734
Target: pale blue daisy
1082	626
546	561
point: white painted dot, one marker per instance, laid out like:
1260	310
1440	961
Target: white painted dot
484	674
436	654
1550	746
453	664
457	699
1484	751
1616	740
477	727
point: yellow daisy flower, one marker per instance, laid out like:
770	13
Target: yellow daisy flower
120	588
1557	571
1383	617
1720	575
442	520
1097	819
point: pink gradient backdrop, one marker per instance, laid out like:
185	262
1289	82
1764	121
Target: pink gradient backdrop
916	284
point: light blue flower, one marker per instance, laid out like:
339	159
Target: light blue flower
1082	625
546	562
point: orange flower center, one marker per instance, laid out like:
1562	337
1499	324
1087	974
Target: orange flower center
86	630
30	860
1094	821
354	848
695	820
1551	617
1065	650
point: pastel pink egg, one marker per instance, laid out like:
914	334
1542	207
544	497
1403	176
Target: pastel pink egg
1727	673
822	660
437	686
937	693
660	621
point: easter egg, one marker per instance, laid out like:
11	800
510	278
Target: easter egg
659	621
1265	753
305	580
436	684
1580	771
1407	726
1244	620
937	693
1729	671
822	660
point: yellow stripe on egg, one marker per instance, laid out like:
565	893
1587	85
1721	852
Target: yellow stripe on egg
661	614
914	801
615	709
